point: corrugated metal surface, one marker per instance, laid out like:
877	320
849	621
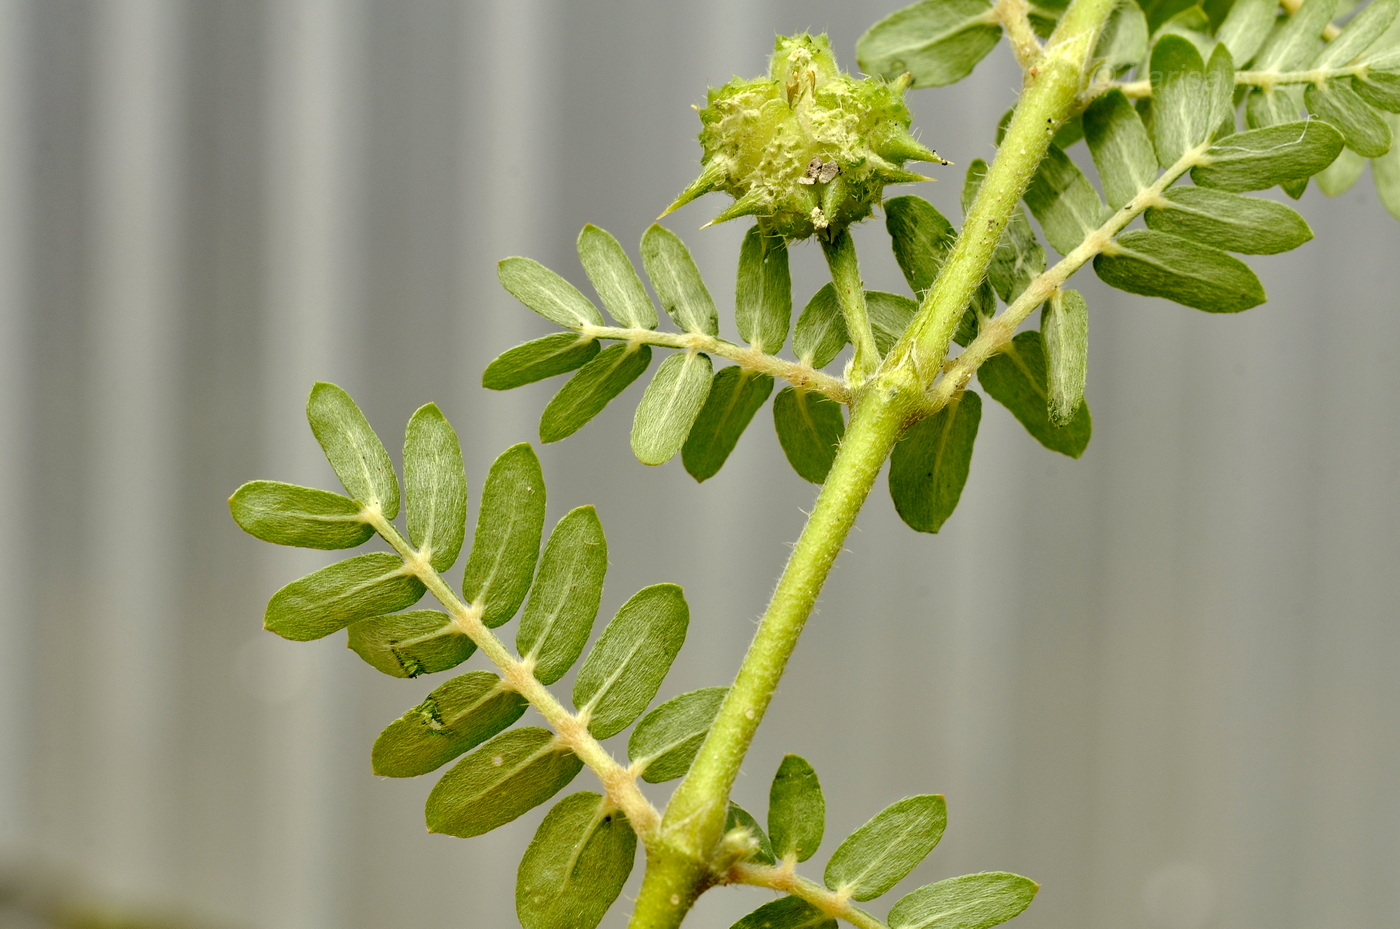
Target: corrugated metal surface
1160	680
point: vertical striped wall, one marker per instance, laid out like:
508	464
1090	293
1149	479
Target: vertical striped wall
1160	680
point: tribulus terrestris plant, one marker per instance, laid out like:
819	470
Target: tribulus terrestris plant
1156	91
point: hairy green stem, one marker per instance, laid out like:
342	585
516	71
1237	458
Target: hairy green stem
1014	16
694	819
687	852
677	871
877	422
1051	88
669	889
840	251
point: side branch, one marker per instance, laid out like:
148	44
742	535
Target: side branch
1014	16
795	373
996	334
1142	89
619	783
783	878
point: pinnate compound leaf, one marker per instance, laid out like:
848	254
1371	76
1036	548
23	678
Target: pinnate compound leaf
735	396
565	594
1359	34
786	913
547	293
286	514
1248	225
973	901
356	455
1018	260
983	307
455	718
796	809
937	42
575	866
1273	106
667	739
1070	132
921	238
612	275
1387	52
1246	26
591	389
1295	187
1064	202
332	598
1220	91
972	182
929	466
1339	177
507	540
1123	42
891	314
1296	42
533	361
1120	147
763	291
436	487
761	850
1155	264
1017	380
677	281
630	659
1381	89
1064	328
1260	158
1158	11
1338	103
410	644
1184	19
1183	111
1385	170
809	427
505	778
881	853
1044	17
821	329
672	401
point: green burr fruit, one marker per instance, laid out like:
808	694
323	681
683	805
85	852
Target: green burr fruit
808	148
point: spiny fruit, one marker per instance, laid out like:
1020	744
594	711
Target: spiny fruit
808	148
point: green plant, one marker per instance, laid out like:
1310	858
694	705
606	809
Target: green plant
808	151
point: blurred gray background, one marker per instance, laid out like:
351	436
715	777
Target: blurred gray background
1160	680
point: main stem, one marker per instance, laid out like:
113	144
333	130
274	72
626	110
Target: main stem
679	868
683	858
1053	81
